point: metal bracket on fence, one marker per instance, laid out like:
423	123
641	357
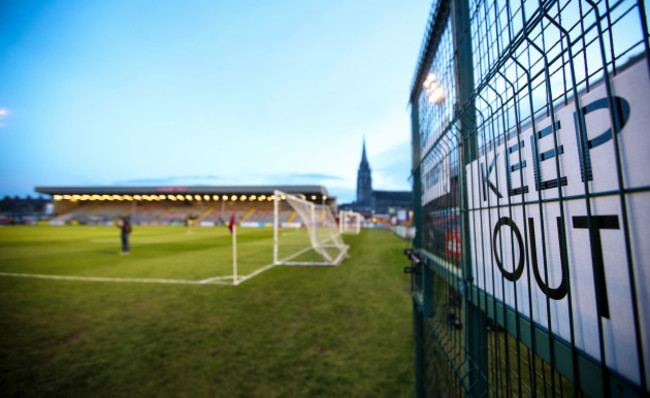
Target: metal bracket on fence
415	261
412	256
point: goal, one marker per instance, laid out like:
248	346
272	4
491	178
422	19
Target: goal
310	236
349	222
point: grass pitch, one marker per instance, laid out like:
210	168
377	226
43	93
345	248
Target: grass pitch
290	331
161	253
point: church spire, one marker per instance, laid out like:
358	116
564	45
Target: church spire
364	159
364	180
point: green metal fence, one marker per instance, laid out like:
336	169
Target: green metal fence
531	178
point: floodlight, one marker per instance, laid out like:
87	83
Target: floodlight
206	197
429	80
58	197
224	197
435	92
243	197
215	197
234	197
188	197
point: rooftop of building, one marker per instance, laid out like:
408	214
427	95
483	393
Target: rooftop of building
191	190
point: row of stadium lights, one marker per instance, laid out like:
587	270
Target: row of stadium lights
173	198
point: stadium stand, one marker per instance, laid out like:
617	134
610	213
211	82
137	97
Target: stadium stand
149	213
262	214
221	212
251	205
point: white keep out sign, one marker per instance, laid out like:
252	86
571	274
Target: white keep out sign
530	249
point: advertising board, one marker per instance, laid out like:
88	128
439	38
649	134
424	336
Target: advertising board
567	210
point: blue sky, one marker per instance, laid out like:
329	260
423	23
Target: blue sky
128	92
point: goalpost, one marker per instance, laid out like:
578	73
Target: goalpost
325	245
349	222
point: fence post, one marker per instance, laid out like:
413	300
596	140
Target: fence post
415	174
420	353
475	330
418	321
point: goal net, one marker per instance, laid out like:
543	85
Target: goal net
305	233
349	222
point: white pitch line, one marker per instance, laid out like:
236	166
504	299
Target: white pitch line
216	278
107	279
259	271
240	279
291	257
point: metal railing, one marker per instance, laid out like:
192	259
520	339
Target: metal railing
531	181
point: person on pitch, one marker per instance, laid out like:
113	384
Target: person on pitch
125	226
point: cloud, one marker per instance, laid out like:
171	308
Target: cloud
237	179
178	180
314	176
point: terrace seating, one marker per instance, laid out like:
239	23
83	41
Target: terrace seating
221	212
180	214
266	215
93	213
148	213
